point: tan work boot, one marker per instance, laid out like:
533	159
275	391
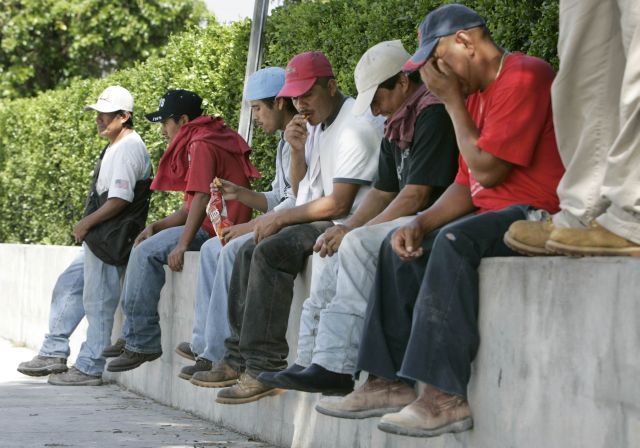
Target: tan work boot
375	398
220	375
529	237
432	414
594	240
246	390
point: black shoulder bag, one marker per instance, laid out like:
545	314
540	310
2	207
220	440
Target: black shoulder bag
112	240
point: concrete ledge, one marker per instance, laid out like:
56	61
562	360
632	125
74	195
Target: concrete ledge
558	365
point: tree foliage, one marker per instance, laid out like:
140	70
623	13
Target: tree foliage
45	43
48	145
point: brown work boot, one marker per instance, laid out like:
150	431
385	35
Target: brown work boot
246	390
529	237
184	349
375	398
594	240
220	375
432	414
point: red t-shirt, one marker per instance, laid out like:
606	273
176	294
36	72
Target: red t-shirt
516	125
206	163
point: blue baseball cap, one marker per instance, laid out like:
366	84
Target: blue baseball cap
265	83
443	21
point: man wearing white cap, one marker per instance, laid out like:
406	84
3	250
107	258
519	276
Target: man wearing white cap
90	286
417	161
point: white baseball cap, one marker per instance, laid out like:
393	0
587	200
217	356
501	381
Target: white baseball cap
112	99
377	64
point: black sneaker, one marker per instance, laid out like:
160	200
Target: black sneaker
201	365
111	351
43	365
184	349
129	360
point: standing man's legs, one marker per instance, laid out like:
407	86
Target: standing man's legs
65	314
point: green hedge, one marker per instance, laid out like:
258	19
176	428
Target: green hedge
48	146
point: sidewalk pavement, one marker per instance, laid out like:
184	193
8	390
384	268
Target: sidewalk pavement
36	414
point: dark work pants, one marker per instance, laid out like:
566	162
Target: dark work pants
260	295
421	321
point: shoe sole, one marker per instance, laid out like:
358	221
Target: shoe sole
96	382
357	415
184	376
43	371
111	368
525	249
225	383
587	251
185	354
459	426
268	393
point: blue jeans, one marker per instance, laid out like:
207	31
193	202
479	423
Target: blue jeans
87	287
211	322
421	320
142	285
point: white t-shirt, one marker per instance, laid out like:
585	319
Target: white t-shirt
124	163
348	152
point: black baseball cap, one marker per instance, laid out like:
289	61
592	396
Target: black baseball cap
176	103
441	22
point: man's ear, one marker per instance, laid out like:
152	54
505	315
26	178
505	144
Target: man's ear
332	85
280	103
184	119
464	38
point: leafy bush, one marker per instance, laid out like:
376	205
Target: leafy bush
48	145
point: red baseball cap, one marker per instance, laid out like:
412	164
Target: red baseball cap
302	72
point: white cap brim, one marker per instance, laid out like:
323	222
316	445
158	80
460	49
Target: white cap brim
103	106
363	100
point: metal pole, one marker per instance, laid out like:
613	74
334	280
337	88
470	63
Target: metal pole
254	59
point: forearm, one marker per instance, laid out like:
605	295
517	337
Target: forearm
195	216
252	199
321	209
113	207
177	218
454	203
297	169
373	204
410	200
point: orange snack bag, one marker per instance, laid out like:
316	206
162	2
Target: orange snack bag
217	211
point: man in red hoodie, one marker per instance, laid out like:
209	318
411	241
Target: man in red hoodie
200	149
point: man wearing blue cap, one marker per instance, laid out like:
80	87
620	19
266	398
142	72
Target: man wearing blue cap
210	326
421	323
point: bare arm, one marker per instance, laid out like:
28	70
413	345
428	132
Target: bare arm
113	207
488	170
454	203
193	221
410	200
296	135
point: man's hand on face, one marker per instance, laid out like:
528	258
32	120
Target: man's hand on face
406	241
296	132
329	242
266	225
441	80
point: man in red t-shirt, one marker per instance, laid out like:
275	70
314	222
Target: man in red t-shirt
421	324
200	149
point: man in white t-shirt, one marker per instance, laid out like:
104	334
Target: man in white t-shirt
341	156
89	286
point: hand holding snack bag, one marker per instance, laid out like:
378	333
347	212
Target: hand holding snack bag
217	210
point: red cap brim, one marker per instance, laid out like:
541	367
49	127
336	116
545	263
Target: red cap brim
296	88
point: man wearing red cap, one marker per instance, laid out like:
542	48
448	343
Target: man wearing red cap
421	324
340	151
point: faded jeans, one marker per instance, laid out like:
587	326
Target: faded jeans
260	295
333	316
596	112
87	287
211	321
143	282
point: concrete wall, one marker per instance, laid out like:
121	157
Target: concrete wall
558	365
